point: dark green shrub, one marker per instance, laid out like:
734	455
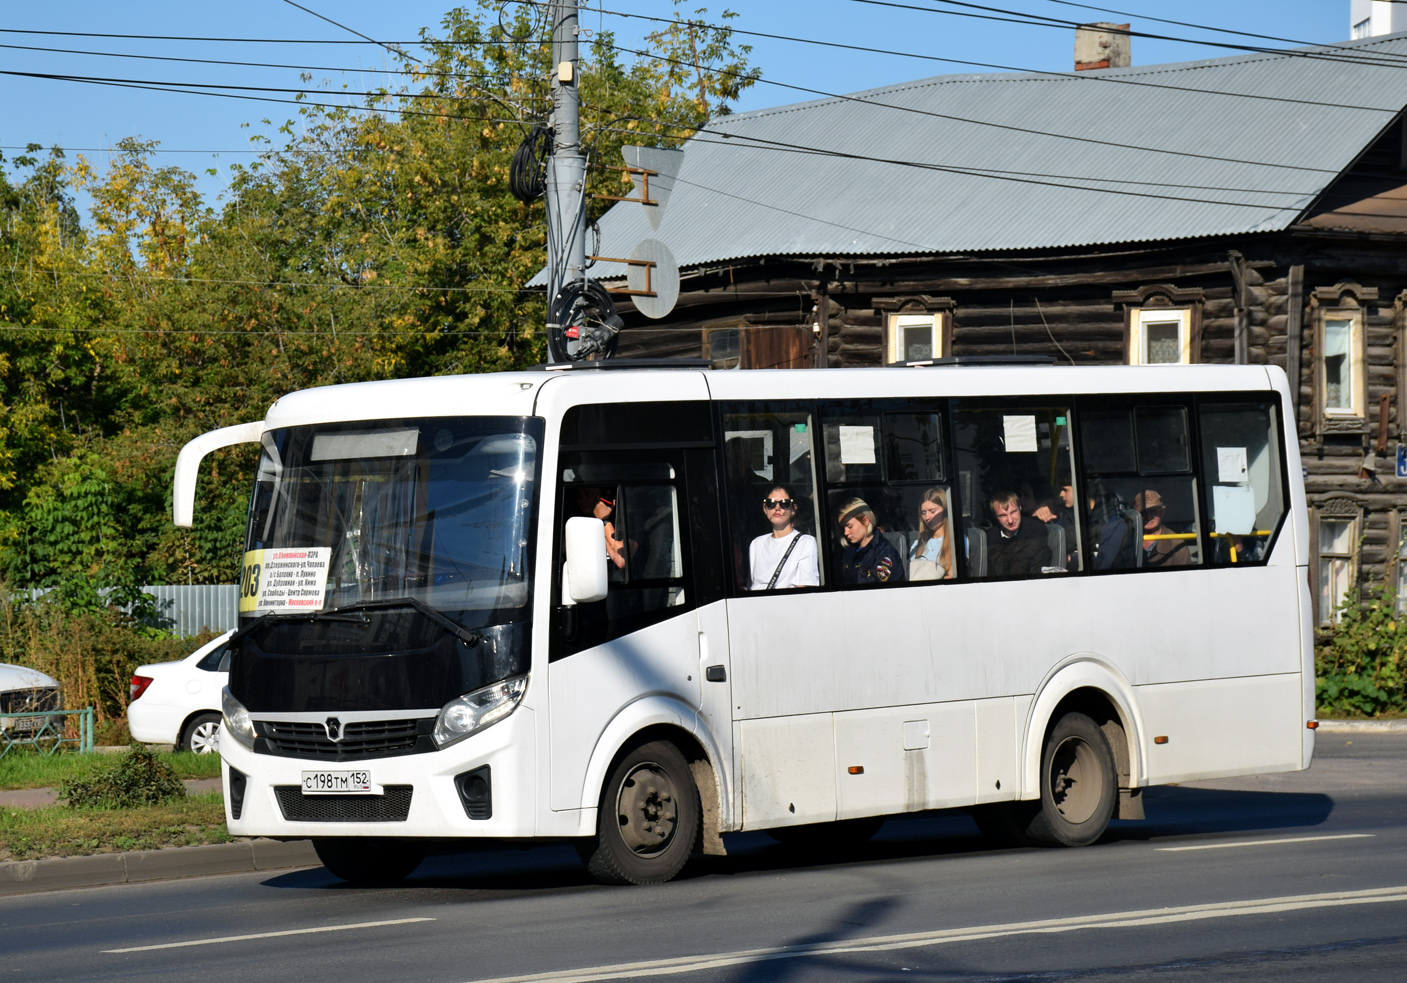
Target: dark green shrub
1359	668
138	778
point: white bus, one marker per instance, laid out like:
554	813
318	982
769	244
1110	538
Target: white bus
523	605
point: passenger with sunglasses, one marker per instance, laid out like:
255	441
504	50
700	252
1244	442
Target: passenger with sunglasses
786	557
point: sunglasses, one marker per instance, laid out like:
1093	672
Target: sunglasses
778	503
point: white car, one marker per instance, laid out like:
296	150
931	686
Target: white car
24	690
178	703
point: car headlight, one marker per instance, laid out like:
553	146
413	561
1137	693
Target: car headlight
237	720
474	711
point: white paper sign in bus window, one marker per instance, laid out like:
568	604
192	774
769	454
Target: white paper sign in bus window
856	445
282	580
1231	465
1019	433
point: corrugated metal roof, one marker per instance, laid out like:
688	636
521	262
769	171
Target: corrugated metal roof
969	163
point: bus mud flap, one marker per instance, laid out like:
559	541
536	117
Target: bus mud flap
707	784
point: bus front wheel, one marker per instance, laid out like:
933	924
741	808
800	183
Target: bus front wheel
648	820
371	861
1079	785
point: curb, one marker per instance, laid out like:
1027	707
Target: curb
246	856
1363	726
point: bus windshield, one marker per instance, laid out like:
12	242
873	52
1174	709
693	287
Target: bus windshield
431	511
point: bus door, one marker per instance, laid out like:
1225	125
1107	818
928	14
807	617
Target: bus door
622	463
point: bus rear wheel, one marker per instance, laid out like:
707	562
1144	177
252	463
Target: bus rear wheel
369	861
1079	785
648	820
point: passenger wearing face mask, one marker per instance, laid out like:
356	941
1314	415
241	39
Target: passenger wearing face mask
931	555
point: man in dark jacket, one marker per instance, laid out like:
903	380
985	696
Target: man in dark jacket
1015	548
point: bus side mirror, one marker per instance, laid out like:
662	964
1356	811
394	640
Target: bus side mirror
584	576
188	465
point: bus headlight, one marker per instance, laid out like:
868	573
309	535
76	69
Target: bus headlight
237	720
474	711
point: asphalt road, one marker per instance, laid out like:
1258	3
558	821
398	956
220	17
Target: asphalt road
1286	878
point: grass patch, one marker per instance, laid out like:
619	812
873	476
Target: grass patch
25	768
58	831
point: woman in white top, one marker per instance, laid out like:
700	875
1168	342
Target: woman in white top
784	558
931	556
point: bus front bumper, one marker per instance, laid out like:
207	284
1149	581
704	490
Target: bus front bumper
418	795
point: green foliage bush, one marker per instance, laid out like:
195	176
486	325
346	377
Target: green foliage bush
1359	668
139	778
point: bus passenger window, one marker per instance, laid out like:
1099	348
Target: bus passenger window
770	496
1015	471
1244	478
1141	494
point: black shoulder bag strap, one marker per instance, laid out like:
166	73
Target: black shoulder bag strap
778	572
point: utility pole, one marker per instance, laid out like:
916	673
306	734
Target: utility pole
566	173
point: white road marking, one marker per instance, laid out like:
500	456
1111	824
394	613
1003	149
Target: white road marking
1288	839
888	943
270	935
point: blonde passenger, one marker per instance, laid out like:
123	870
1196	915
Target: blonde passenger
931	555
870	558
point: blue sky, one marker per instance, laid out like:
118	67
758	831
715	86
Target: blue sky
211	132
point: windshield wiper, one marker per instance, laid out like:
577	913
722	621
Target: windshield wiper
468	636
347	612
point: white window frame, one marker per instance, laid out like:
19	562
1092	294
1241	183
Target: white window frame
1357	382
893	335
1141	317
1349	559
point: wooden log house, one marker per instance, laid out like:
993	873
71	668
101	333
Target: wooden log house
1243	210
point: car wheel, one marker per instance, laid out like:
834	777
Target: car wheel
202	734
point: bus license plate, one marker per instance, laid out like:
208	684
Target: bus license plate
338	783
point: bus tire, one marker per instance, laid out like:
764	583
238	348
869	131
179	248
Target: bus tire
838	835
369	861
649	818
1079	785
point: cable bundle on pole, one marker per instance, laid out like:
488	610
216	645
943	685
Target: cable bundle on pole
582	322
527	174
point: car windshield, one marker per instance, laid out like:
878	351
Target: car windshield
432	510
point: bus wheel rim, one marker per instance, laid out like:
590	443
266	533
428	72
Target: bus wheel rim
647	809
1075	780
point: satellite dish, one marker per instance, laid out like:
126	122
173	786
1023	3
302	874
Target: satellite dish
662	279
664	165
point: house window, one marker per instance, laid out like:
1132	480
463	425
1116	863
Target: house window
915	337
1160	336
1341	363
720	346
1363	29
1400	574
1338	538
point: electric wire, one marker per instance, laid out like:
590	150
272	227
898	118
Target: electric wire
1029	131
1038	20
1082	76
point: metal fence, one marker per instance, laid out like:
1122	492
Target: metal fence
187	610
45	731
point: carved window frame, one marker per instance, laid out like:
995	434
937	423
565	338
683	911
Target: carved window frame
1162	302
1342	302
1348	560
918	311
